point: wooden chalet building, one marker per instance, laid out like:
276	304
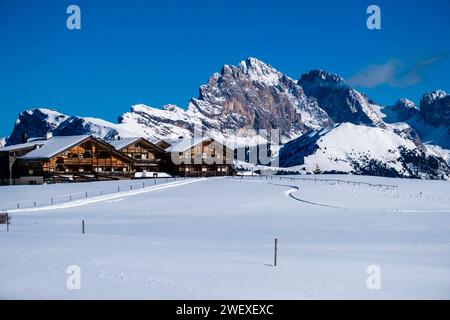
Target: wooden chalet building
201	157
86	158
65	158
149	160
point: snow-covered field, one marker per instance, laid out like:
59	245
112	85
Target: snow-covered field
213	239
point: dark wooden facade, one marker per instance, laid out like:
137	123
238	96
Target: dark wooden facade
89	159
147	157
85	158
204	158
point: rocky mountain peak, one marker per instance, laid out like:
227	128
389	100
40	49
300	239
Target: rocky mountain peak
340	101
260	71
322	78
432	97
35	123
405	103
435	108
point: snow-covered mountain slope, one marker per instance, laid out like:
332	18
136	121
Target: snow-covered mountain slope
431	121
2	142
97	127
361	149
36	122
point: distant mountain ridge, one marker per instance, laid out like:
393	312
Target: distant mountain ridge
253	95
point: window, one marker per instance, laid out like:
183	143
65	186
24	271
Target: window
204	169
87	154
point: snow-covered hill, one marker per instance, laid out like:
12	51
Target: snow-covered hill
349	148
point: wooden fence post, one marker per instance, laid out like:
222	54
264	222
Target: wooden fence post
82	226
275	253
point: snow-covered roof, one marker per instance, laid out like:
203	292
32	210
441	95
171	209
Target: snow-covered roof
22	146
54	146
123	142
170	141
186	143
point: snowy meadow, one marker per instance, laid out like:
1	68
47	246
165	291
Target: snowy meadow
213	238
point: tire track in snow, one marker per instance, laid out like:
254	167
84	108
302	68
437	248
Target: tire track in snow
289	193
108	198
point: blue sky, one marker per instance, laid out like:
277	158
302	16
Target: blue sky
159	52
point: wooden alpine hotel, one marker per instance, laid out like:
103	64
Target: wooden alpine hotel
86	158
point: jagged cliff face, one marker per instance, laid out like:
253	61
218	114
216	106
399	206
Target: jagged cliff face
35	123
252	95
340	101
431	120
435	108
401	111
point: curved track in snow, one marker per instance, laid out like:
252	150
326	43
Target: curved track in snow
290	192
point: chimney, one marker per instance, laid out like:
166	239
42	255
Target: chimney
48	135
24	137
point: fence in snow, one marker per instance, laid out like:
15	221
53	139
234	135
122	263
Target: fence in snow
67	198
322	180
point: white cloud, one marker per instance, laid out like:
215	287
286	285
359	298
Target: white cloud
394	73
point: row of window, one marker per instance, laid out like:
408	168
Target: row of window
203	169
98	169
203	155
